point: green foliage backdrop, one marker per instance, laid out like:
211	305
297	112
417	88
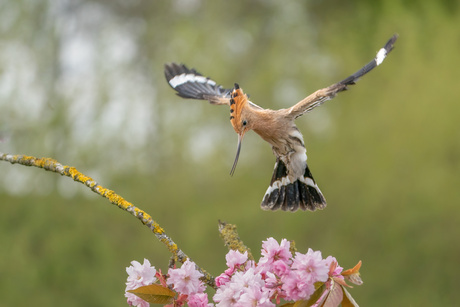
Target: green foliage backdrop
82	82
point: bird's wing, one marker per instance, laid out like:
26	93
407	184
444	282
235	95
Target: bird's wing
189	83
325	94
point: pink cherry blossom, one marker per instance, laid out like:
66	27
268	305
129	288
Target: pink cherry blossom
271	281
198	300
186	279
226	296
311	267
296	287
139	275
275	257
235	259
245	279
222	279
280	267
255	296
134	300
272	250
231	293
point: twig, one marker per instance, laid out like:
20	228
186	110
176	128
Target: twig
69	171
231	239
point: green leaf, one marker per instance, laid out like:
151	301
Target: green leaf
155	294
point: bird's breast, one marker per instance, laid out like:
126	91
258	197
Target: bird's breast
288	145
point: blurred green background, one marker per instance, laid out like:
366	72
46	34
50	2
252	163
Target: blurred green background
82	82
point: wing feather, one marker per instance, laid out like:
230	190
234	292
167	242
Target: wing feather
188	83
325	94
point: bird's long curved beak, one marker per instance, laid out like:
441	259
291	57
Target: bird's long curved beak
240	139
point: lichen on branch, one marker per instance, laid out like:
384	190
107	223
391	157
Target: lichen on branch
69	171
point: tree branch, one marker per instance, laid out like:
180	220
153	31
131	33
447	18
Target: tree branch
69	171
232	240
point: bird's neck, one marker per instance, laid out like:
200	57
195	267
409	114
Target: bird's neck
268	124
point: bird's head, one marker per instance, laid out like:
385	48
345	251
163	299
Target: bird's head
239	117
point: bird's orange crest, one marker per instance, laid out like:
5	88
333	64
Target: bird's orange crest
237	103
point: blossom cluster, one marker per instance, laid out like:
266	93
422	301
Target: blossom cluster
278	275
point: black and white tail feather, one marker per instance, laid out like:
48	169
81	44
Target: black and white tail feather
292	186
302	193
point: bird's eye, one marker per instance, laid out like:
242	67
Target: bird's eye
245	122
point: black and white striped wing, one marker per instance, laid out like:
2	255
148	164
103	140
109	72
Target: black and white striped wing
381	55
325	94
188	83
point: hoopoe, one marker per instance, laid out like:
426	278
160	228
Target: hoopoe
292	185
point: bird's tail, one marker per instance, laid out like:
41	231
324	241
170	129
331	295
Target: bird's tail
302	193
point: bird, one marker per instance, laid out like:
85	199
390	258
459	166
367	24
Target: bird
292	186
